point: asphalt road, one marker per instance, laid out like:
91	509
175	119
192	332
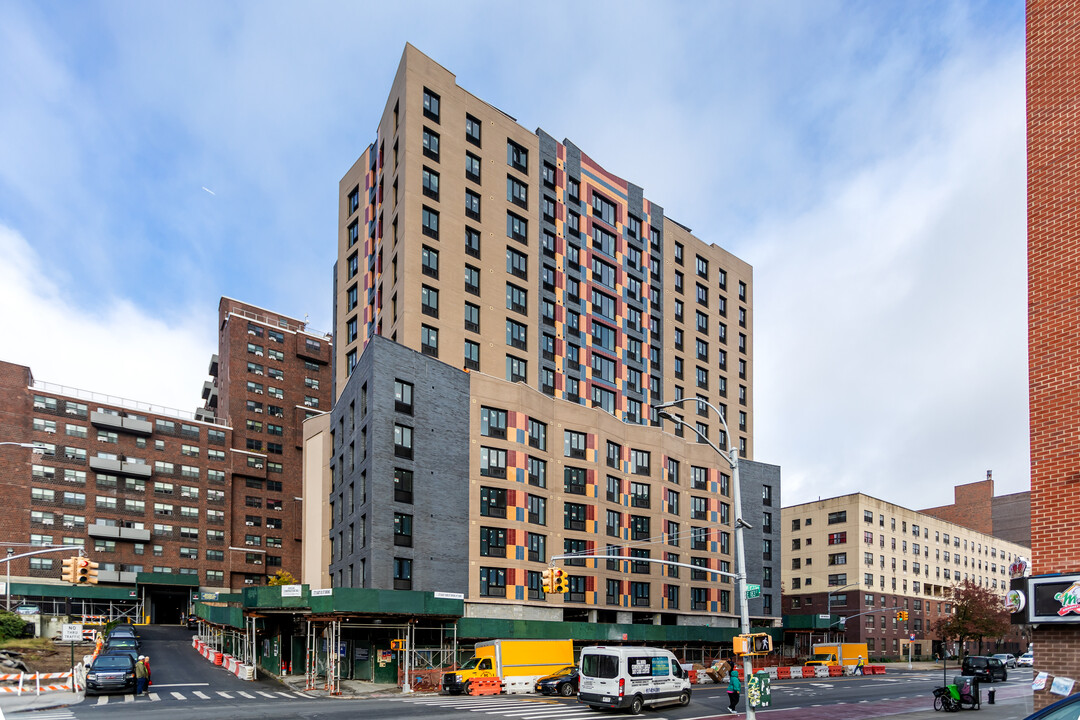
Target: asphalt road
185	683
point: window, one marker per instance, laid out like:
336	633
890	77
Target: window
492	582
472	205
537	507
574	444
472	242
472	130
431	105
472	280
574	480
517	227
492	542
431	189
640	495
640	462
517	264
472	167
603	208
403	441
472	317
837	538
429	262
537	472
574	516
517	192
517	335
493	502
402	574
429	340
472	355
492	462
837	517
517	157
537	434
430	222
431	144
516	369
403	531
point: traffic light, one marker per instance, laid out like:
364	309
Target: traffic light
754	644
903	615
397	644
741	644
85	571
762	643
547	580
560	581
68	572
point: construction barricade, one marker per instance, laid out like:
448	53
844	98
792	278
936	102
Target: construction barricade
835	671
485	686
32	682
520	685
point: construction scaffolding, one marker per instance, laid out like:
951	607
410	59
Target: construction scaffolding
326	665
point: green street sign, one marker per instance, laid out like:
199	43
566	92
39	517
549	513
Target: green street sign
753	591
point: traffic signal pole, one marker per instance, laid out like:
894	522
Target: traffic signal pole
7	560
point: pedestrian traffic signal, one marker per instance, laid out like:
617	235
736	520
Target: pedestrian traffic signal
762	643
754	644
68	572
85	571
547	580
560	582
397	644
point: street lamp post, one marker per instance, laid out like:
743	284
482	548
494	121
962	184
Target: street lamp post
11	551
732	458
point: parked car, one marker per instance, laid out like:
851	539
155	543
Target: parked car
1008	659
126	644
127	651
561	682
192	622
124	631
984	668
1026	660
1067	709
111	673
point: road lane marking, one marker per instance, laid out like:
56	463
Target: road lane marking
178	696
129	698
201	695
266	694
102	699
244	694
225	695
181	685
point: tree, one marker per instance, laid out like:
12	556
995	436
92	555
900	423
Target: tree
11	625
977	613
282	577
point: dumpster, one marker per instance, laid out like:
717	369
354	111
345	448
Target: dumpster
759	690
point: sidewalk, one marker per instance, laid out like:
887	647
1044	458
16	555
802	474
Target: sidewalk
1012	704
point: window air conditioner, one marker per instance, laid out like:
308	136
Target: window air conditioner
258	372
249	523
251	332
248	542
51	431
259	353
49	521
257	562
258	410
258	392
103	439
249	581
71	411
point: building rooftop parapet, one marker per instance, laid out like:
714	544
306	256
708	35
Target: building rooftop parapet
136	405
281	322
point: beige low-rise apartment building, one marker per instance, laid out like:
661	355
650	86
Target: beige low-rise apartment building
862	559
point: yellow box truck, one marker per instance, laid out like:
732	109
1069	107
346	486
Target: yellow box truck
838	654
516	659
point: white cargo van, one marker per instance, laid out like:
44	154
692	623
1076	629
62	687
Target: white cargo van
631	677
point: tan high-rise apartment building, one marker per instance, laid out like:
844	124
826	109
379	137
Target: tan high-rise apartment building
537	306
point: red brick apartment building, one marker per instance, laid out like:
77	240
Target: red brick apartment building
1053	96
167	501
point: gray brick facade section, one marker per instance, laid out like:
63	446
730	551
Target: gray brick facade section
752	477
440	466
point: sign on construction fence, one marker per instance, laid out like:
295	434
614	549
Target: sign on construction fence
71	632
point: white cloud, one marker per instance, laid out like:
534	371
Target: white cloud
891	317
118	349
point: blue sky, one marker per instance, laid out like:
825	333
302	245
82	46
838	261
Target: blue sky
866	158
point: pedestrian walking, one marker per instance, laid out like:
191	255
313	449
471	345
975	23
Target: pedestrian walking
733	689
140	676
859	666
149	678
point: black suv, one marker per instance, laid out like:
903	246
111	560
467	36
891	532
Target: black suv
111	673
984	668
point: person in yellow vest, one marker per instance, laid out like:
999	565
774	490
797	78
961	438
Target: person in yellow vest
859	666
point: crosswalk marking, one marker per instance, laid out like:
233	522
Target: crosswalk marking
178	696
154	696
225	695
265	694
102	699
198	694
514	708
241	693
129	698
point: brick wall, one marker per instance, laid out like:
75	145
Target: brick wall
971	507
1053	93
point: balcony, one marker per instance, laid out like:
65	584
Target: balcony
118	533
123	424
213	370
119	467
